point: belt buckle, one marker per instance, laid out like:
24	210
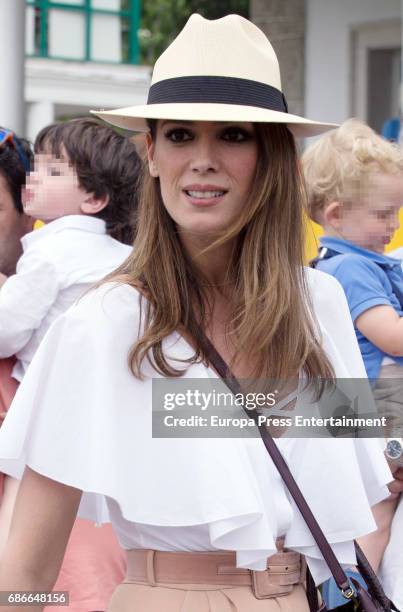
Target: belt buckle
263	587
282	574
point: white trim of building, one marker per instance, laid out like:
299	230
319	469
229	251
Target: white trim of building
56	88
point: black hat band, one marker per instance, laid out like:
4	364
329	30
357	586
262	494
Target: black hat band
217	90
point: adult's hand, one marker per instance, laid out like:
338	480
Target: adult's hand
396	486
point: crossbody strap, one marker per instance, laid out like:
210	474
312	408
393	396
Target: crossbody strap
337	571
372	581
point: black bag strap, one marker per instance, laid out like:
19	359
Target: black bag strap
342	581
339	575
323	253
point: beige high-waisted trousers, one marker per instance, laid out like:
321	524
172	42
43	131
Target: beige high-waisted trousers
161	582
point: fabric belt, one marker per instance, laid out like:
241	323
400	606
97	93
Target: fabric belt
158	568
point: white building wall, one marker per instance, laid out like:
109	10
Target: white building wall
329	67
59	88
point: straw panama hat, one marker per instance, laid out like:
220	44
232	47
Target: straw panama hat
216	70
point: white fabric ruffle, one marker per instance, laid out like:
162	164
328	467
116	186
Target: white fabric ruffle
81	418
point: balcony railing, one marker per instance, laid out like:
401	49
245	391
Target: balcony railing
84	30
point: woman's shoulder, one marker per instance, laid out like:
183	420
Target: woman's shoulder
332	314
323	287
328	299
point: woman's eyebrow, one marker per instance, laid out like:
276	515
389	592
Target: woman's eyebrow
177	121
190	123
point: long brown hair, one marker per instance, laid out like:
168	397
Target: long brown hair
272	320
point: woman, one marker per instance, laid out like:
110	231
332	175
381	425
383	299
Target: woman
219	249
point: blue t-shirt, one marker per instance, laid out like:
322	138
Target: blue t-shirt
368	279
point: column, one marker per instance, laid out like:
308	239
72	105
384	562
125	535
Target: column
283	22
12	57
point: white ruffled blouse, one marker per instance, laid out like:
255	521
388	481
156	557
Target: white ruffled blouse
81	418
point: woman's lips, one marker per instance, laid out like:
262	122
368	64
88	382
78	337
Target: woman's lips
204	197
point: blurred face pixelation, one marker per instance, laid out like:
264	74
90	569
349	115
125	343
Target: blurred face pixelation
206	170
372	222
52	189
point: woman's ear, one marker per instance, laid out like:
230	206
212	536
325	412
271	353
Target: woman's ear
152	165
333	215
92	205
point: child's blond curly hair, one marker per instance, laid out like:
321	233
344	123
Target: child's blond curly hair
337	166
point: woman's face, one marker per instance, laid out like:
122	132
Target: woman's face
206	171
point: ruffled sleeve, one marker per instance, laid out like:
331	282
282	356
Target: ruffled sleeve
57	423
81	418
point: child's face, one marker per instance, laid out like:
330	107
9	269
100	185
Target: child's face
52	189
372	222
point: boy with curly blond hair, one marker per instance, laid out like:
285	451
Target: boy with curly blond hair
354	181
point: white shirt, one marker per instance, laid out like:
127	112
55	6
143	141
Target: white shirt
60	261
81	418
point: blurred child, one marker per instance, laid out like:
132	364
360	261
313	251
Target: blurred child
355	190
83	187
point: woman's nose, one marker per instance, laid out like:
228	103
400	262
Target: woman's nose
204	157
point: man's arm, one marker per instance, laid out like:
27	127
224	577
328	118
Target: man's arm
375	543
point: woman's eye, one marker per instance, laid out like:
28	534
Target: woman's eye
178	135
236	134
